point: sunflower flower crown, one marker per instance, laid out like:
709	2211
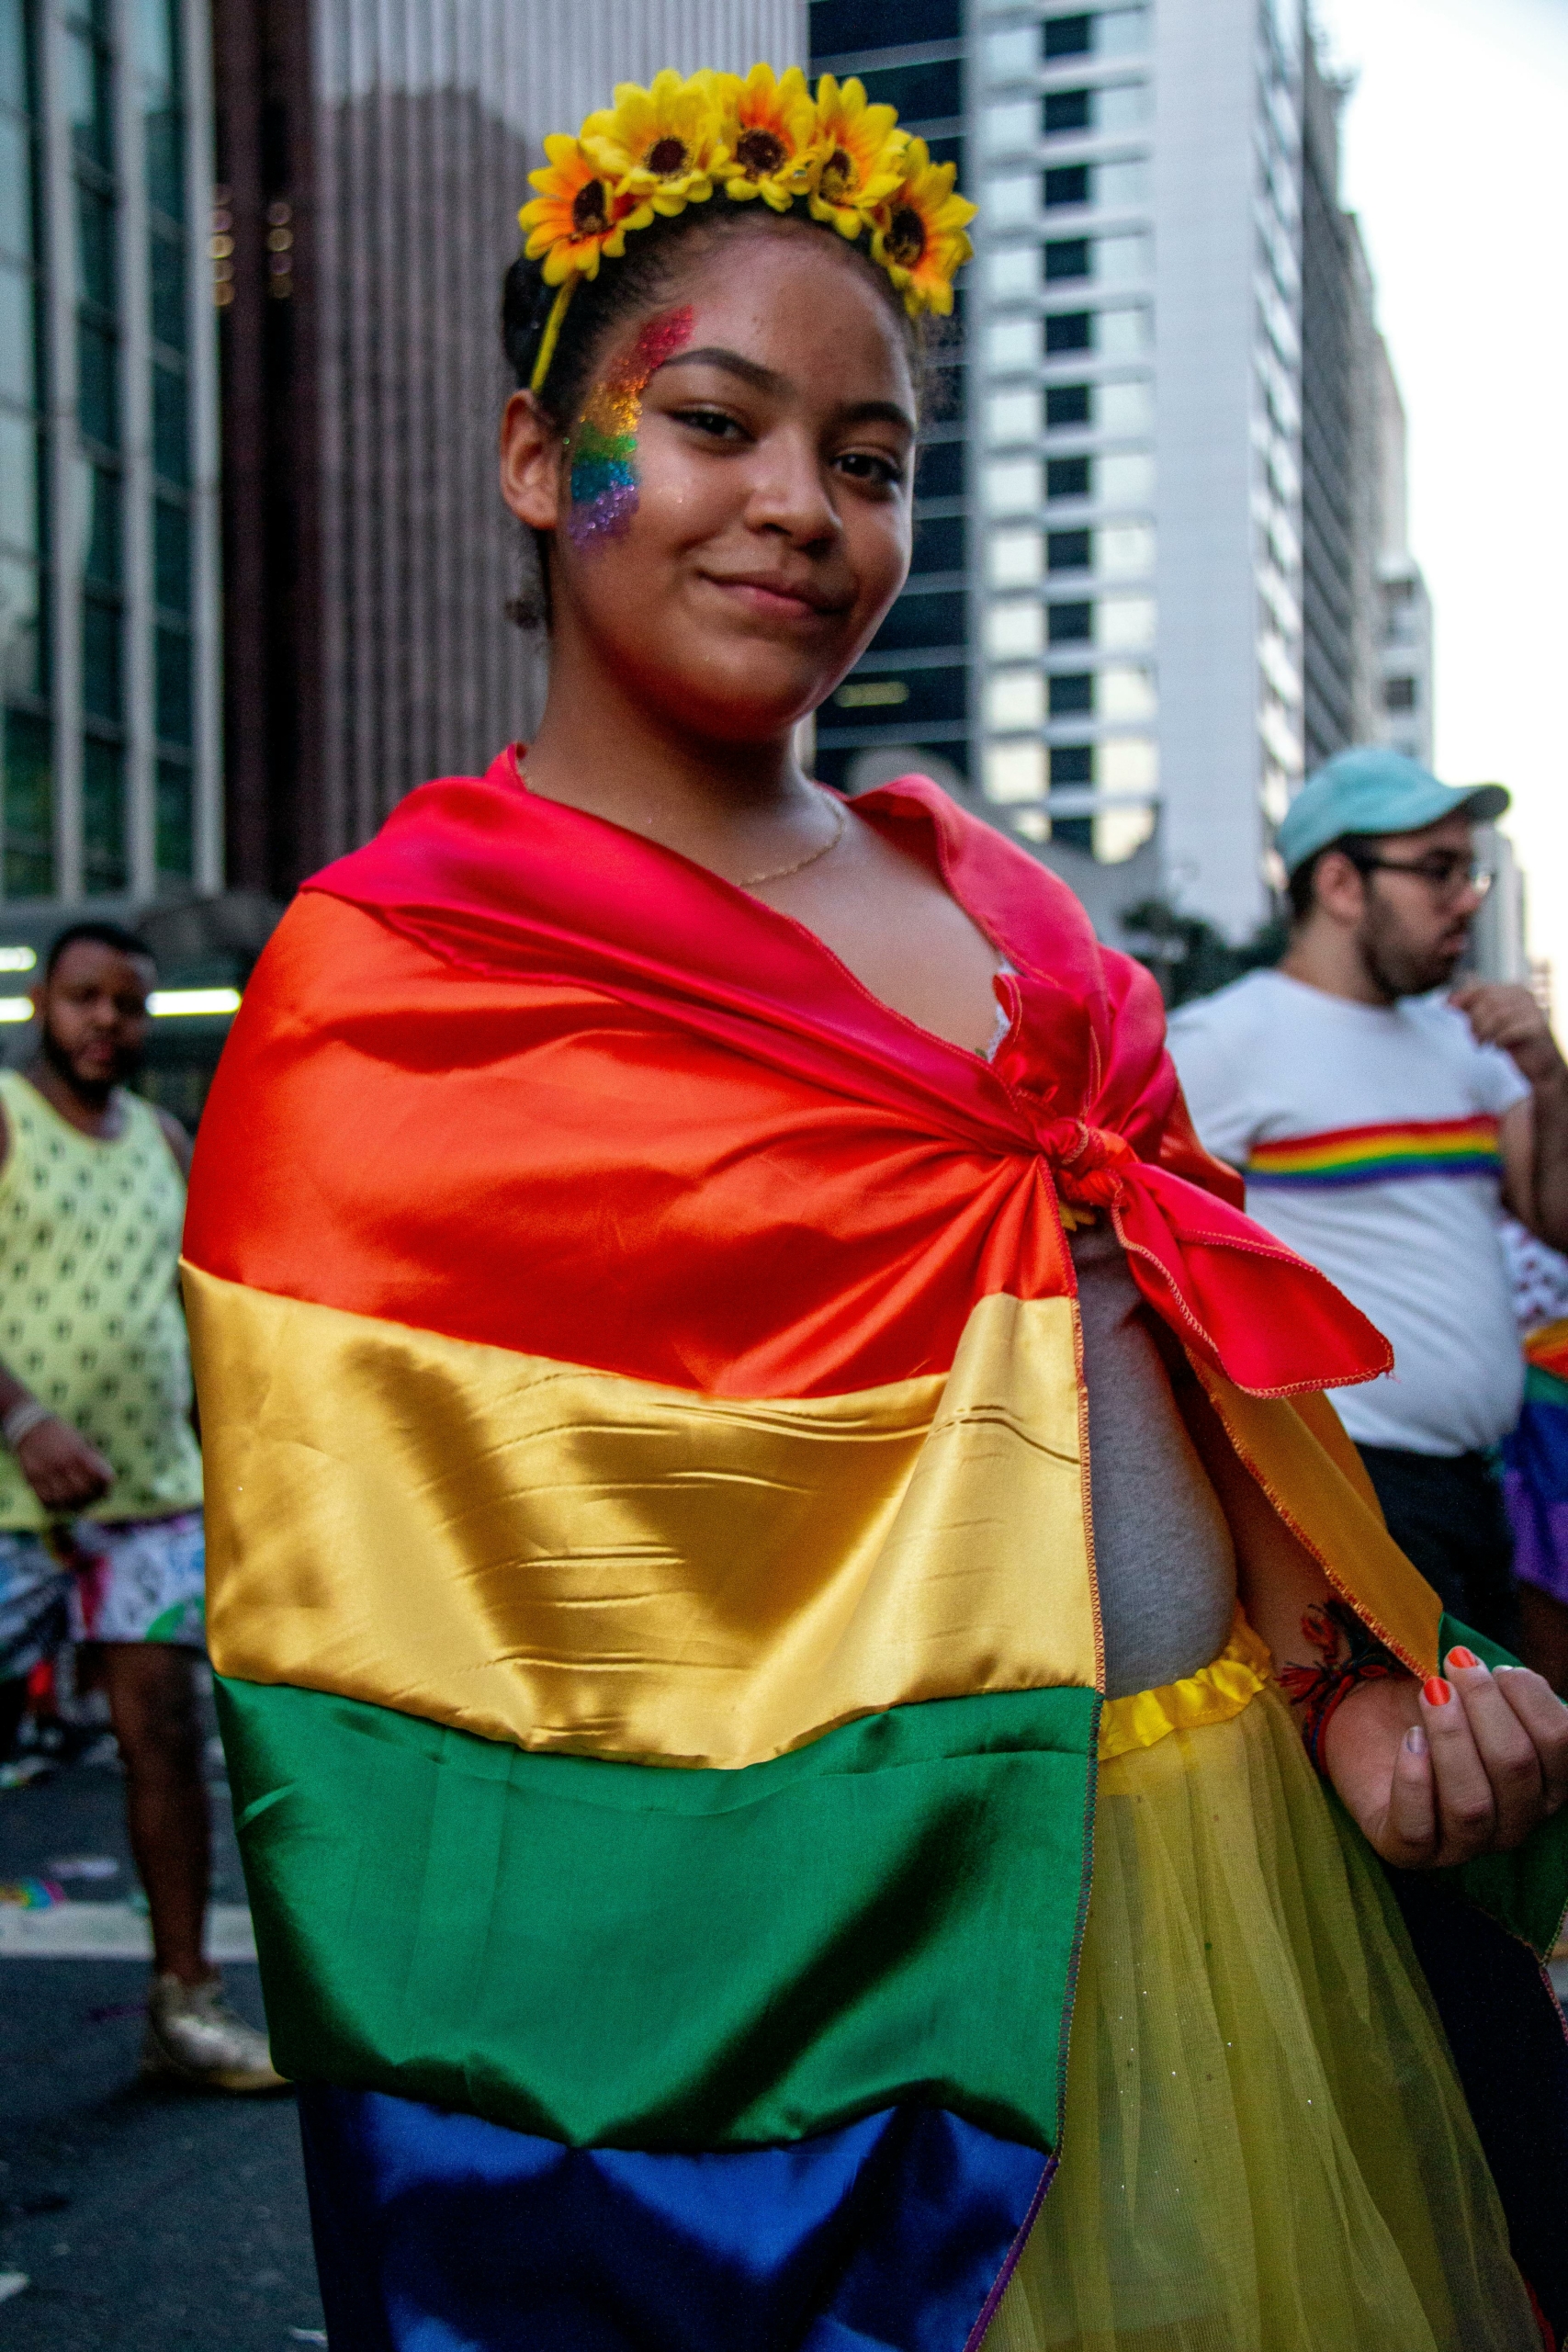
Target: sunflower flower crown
764	137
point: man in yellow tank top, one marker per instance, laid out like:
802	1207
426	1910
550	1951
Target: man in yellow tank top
101	1477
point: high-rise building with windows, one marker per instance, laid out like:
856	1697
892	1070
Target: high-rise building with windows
371	160
1124	455
108	546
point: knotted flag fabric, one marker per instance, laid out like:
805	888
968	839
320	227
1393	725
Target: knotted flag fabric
651	1575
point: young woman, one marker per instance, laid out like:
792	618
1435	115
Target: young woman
745	1438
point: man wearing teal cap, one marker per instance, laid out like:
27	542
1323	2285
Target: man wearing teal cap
1382	1124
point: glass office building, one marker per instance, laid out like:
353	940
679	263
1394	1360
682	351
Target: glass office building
108	556
912	689
1103	642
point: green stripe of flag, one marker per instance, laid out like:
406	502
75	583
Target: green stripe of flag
628	1955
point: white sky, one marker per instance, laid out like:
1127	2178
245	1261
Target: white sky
1456	158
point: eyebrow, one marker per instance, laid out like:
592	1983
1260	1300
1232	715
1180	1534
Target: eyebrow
768	379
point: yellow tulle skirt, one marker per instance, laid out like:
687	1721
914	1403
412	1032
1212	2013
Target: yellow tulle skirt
1266	2148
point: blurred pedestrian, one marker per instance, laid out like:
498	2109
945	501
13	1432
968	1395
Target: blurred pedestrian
1382	1125
100	1476
1535	1455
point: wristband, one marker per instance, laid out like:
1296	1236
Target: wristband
1321	1690
22	1419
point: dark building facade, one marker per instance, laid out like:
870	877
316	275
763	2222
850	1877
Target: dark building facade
1339	444
910	692
371	162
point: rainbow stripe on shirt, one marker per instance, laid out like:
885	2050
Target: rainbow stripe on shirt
1377	1155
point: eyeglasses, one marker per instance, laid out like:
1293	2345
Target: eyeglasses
1445	873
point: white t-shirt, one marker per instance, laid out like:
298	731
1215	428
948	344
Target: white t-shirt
1368	1137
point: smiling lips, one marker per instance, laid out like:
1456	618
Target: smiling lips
778	599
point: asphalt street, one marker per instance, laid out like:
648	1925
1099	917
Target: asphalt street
143	2219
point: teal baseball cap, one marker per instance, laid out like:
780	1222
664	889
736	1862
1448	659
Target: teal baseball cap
1370	789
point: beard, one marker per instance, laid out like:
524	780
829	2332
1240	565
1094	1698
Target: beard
1399	966
94	1088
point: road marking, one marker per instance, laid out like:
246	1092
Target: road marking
112	1931
12	2282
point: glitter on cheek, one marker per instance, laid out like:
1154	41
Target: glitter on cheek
603	447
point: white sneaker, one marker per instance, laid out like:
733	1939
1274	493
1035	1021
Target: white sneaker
193	2032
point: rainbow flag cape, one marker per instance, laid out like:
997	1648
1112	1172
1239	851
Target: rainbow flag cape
651	1582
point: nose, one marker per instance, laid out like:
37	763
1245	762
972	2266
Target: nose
789	493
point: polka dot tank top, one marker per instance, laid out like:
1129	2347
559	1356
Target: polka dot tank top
90	1316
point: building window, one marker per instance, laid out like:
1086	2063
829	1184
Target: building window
920	93
937	619
1067	258
1068	404
1069	331
1067	110
1109	32
1069	478
1071	624
938	543
1126	549
839	27
1070	551
1071	763
939	469
1069	36
1114	106
1399	693
1072	692
1067	183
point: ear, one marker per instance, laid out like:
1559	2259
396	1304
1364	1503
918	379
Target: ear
1339	888
530	463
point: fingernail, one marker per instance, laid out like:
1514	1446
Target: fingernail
1416	1741
1435	1692
1462	1657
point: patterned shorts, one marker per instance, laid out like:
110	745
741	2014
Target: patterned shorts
137	1580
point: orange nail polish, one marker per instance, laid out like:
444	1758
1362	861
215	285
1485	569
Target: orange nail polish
1435	1692
1462	1657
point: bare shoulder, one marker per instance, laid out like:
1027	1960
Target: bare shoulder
175	1136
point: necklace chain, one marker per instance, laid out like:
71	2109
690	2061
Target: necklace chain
781	873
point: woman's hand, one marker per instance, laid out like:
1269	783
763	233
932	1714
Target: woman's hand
1439	1773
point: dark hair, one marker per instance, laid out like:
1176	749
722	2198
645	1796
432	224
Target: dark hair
636	282
98	934
1302	883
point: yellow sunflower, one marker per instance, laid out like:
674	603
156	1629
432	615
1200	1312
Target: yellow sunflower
862	155
659	144
919	238
771	143
577	217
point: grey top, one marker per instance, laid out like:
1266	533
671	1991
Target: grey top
1163	1549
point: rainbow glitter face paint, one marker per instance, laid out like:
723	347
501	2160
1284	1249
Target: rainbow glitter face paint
603	447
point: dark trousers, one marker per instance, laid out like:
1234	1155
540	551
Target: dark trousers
1446	1512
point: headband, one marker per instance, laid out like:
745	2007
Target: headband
657	150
